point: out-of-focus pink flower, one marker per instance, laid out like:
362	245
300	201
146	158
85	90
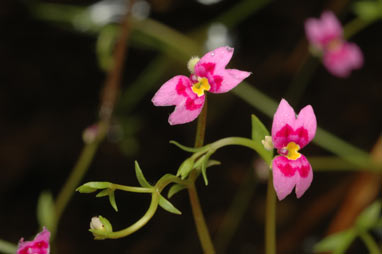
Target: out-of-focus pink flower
289	135
40	244
207	74
326	35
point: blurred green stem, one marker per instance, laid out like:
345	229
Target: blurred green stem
369	242
270	219
7	248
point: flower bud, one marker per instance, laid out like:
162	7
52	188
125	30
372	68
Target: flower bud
96	224
267	143
192	62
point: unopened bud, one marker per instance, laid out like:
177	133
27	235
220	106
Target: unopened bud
192	62
90	134
267	143
96	223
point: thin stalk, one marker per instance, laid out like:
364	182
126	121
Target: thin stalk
201	226
200	222
270	219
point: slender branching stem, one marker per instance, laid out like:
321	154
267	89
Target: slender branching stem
270	219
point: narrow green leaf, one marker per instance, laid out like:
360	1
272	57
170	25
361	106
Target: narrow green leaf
204	172
7	247
259	132
211	163
103	193
45	210
166	205
93	186
112	201
188	149
369	217
141	179
336	243
175	189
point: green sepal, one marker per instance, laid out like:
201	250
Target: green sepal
368	10
206	164
185	168
112	200
103	193
93	186
101	234
175	188
189	149
45	210
336	243
140	177
369	216
166	205
259	131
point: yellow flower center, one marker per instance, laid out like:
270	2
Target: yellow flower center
201	86
293	153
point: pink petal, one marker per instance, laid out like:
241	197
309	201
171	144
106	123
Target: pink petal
289	173
212	66
169	93
305	176
283	184
186	111
321	31
40	245
307	119
340	62
287	128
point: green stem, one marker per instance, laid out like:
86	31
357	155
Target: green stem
131	188
270	219
200	222
201	226
369	242
76	175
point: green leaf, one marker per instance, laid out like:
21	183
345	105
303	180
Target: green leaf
369	216
258	134
175	189
45	210
93	186
189	149
166	205
112	201
185	168
336	243
103	193
141	178
7	247
368	10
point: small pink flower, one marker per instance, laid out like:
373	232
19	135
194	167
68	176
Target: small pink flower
187	93
40	244
326	35
289	134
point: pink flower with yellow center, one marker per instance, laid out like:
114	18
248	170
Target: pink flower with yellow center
40	244
207	74
326	35
290	133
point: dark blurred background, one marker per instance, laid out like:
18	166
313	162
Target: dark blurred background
50	85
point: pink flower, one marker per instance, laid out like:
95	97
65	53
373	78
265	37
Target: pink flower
326	35
40	244
187	93
290	133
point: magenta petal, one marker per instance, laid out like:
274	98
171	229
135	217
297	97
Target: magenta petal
342	61
284	115
231	78
305	176
282	183
307	119
170	93
220	57
40	244
187	111
321	31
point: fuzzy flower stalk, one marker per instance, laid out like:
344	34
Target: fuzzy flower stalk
39	245
208	74
290	133
326	37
